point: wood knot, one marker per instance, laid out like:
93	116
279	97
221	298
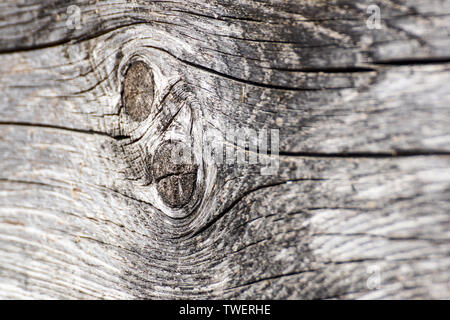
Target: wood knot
138	91
174	174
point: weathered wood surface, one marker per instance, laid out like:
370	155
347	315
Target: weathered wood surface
364	159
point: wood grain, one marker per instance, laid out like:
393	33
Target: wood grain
363	181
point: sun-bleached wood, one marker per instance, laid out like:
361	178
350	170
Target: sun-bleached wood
364	157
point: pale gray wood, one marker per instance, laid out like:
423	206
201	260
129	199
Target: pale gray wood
364	177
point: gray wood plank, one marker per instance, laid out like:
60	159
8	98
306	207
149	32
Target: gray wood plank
358	207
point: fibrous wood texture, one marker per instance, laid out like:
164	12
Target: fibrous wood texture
358	207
